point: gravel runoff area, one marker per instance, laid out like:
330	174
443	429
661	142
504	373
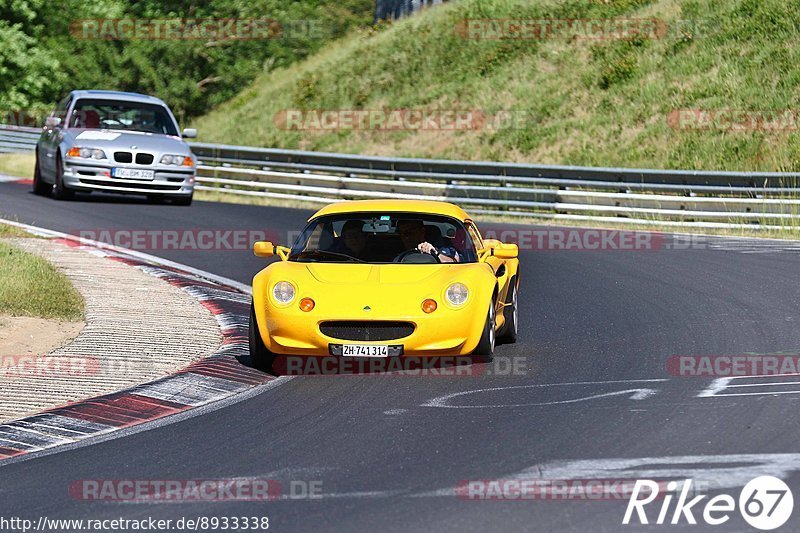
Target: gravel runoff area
138	329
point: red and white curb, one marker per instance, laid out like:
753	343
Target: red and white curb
208	380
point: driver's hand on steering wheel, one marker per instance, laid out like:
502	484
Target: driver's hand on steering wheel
426	248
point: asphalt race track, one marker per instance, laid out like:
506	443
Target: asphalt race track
597	329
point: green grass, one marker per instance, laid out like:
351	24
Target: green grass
7	230
17	165
30	286
598	103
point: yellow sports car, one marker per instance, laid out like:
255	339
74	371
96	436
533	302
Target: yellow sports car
385	278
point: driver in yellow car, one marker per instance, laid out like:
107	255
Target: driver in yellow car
412	233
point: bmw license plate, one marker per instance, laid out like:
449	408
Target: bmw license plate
364	350
133	173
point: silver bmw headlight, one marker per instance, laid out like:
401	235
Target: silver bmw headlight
86	153
283	292
178	160
457	294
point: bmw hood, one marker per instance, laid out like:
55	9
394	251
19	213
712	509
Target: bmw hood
119	140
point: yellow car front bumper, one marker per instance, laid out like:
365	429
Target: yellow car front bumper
449	330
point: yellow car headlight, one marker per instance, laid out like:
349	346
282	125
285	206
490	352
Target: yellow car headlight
283	292
457	294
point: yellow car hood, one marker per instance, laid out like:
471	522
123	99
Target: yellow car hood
348	284
349	274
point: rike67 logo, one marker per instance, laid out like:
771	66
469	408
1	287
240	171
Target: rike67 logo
765	503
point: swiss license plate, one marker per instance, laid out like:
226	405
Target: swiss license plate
364	350
133	173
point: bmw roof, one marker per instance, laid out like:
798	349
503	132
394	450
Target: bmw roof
116	95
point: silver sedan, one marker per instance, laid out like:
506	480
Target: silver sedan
114	141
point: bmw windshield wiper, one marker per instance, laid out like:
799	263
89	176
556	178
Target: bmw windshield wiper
317	253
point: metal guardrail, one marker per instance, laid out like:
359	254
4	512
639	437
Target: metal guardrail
635	196
18	139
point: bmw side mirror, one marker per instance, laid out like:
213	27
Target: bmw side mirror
189	133
52	122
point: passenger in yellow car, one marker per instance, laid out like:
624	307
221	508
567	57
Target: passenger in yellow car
354	241
414	236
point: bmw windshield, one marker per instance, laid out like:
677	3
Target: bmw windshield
122	115
379	238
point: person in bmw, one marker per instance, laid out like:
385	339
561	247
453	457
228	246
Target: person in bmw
114	141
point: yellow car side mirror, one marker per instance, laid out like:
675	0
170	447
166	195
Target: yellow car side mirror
506	251
267	249
264	249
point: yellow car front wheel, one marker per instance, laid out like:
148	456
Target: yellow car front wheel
485	349
508	334
260	357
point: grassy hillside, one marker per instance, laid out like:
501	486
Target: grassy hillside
586	102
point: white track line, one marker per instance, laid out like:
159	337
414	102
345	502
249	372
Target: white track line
43	232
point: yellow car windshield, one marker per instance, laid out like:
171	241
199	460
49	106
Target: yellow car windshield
378	238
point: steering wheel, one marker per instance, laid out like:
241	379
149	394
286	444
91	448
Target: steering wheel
416	257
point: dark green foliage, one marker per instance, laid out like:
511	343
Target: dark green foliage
41	58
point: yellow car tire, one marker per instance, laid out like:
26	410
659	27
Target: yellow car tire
508	335
260	357
485	350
